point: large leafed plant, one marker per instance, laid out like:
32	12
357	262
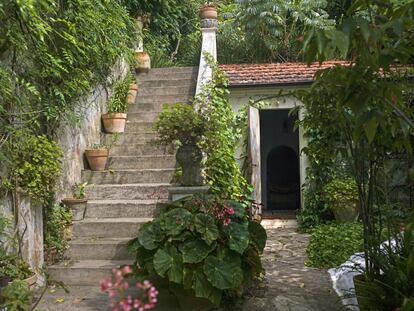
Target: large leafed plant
201	245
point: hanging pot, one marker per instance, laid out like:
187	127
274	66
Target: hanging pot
77	206
114	122
189	157
97	158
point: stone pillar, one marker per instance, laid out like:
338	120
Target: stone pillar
140	42
30	229
209	45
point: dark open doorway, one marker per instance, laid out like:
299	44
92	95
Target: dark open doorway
280	169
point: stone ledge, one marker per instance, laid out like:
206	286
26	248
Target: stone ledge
179	192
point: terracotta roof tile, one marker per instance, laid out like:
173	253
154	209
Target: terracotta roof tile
275	73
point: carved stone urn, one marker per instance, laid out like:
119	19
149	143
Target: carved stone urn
189	157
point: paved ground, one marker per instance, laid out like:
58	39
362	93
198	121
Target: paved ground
288	286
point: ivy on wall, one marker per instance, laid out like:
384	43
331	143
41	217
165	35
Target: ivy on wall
52	53
221	138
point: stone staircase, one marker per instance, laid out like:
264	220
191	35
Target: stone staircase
126	195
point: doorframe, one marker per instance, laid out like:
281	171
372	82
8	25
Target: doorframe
303	161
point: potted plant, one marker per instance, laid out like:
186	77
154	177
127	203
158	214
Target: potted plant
208	11
132	94
342	197
78	202
181	124
142	62
98	154
114	121
12	267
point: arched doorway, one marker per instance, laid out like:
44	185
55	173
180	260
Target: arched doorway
283	179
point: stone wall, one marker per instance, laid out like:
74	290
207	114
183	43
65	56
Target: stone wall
74	139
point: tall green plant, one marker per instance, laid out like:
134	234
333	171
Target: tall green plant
221	137
367	99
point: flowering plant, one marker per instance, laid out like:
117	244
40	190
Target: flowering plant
206	247
123	297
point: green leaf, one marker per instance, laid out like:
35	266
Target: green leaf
238	236
206	226
150	234
169	260
223	273
202	287
239	209
258	235
341	41
370	128
195	251
176	220
162	262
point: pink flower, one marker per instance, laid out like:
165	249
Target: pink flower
230	211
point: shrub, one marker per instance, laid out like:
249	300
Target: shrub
341	190
331	244
118	101
179	123
201	245
14	268
36	165
16	296
57	221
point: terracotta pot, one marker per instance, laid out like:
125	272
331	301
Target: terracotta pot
142	62
208	12
189	157
97	158
114	122
132	94
31	281
78	207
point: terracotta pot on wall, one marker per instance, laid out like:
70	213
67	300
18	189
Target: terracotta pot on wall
208	12
132	94
77	206
114	122
97	158
143	62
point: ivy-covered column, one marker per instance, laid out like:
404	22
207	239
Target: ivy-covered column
209	45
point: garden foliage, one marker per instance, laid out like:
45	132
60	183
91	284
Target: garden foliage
118	101
331	244
201	244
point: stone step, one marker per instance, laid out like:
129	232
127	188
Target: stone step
139	126
175	73
188	90
108	227
187	81
147	116
128	138
142	162
147	107
84	272
164	99
139	149
158	191
123	208
99	249
126	176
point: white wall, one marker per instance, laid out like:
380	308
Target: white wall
284	99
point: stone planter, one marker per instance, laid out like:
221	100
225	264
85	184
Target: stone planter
189	157
77	206
114	122
97	158
132	94
208	12
142	62
346	211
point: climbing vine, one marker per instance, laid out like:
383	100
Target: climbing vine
221	137
52	53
